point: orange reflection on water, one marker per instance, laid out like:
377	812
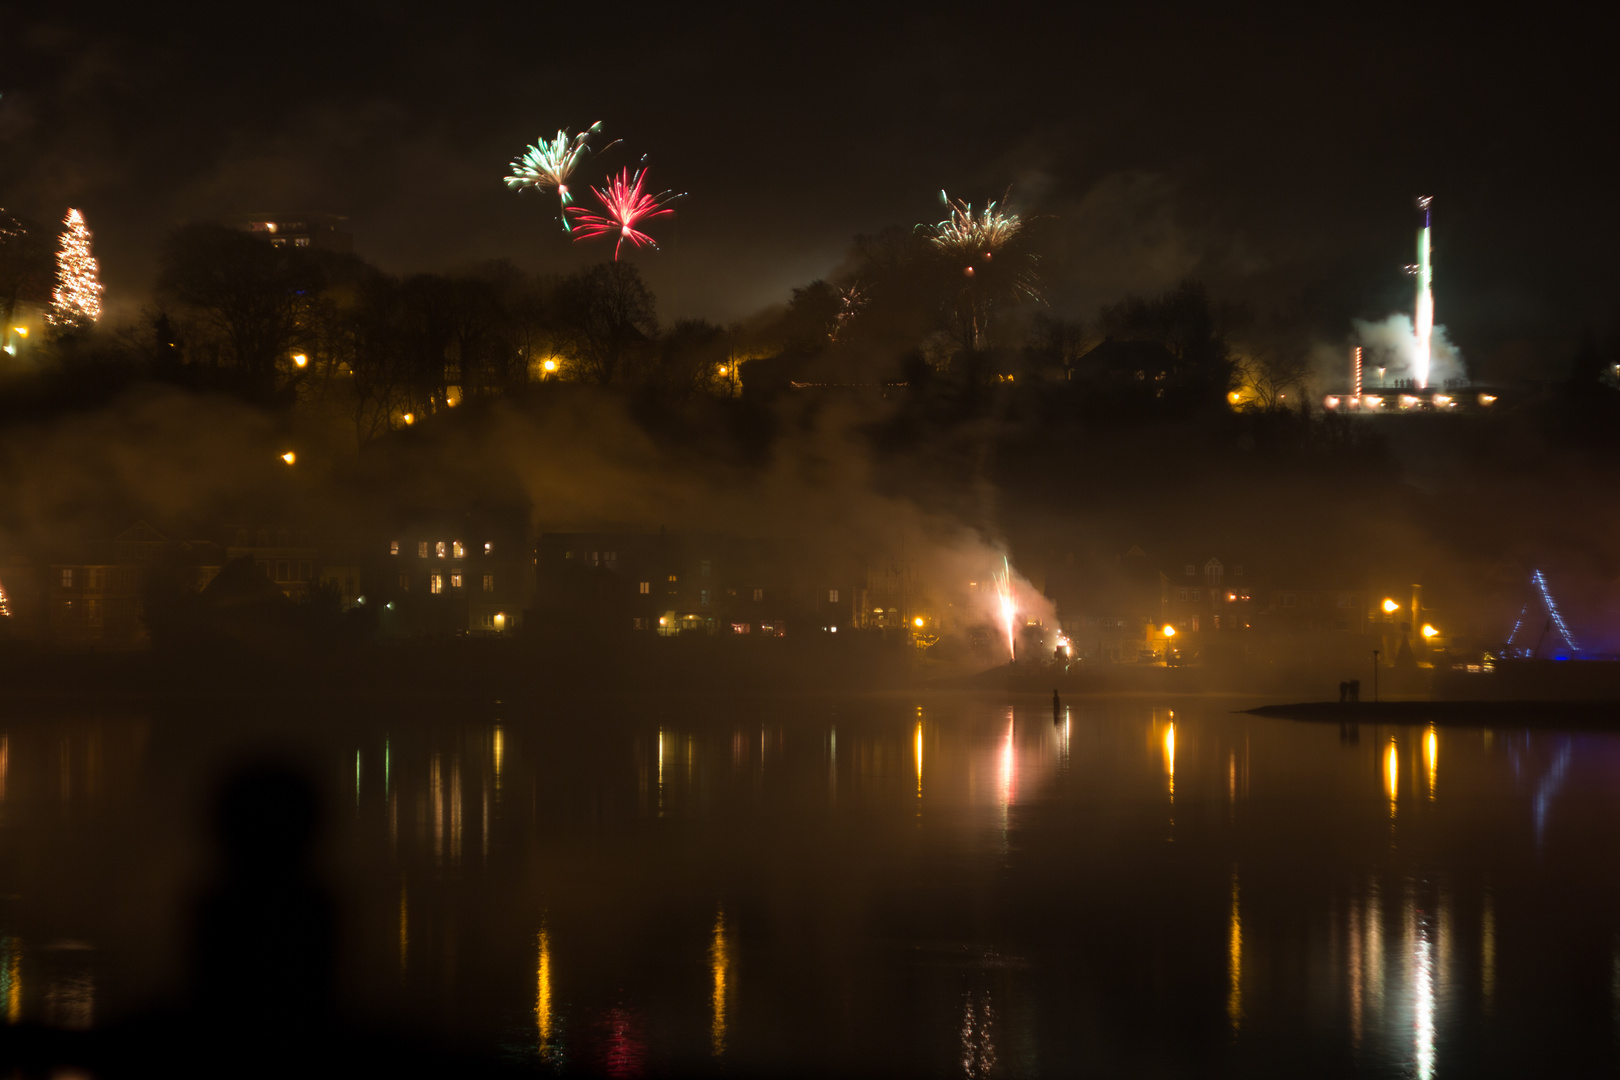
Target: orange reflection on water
498	752
1391	773
1234	960
919	754
542	992
719	966
1431	750
1170	756
1008	773
11	978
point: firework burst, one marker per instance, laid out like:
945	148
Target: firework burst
626	207
971	236
550	163
994	269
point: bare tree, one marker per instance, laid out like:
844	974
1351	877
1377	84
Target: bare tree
606	317
1271	374
247	294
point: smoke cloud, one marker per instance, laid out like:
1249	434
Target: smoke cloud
1392	345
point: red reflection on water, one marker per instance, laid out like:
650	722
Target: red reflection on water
623	1051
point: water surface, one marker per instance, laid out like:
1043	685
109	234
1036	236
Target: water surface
929	885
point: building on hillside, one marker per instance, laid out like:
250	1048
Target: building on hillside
297	560
672	584
446	572
323	232
95	593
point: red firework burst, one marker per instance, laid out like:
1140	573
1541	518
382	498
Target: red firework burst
626	207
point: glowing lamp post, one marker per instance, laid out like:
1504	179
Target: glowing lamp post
300	360
289	457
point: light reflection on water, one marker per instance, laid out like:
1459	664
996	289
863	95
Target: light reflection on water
956	885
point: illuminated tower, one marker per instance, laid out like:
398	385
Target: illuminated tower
1423	319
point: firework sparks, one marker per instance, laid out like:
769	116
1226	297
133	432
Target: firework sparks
973	236
549	163
1008	607
850	303
627	207
994	271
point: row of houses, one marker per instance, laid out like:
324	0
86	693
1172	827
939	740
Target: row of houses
484	572
1196	605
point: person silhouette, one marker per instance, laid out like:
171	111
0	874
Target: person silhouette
266	934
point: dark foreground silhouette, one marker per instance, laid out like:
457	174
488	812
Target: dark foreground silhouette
261	998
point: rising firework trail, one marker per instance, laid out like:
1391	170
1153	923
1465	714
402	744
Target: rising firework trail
626	208
548	165
1423	317
1009	610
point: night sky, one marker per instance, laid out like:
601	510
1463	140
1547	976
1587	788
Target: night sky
1275	156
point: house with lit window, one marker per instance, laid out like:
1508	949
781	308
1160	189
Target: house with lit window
452	573
324	232
674	584
94	593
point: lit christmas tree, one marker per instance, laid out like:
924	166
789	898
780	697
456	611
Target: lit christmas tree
77	299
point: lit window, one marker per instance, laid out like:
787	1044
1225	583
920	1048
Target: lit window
300	241
393	547
438	549
672	579
489	548
421	550
455	580
458	549
435	584
1195	623
645	588
489	582
832	596
67	579
759	594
